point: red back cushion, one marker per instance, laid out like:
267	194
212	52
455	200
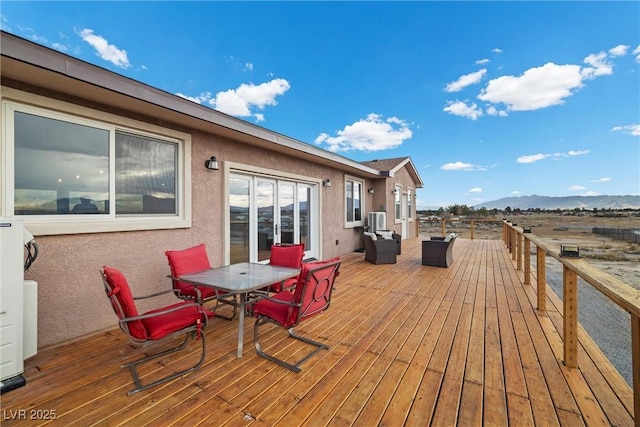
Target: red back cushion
120	289
287	255
314	287
191	260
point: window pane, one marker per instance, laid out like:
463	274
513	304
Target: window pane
146	171
287	220
239	216
397	203
57	164
349	201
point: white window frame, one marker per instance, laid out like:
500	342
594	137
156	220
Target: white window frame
397	204
352	224
410	201
74	224
256	172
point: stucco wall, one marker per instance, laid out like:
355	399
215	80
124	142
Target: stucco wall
71	299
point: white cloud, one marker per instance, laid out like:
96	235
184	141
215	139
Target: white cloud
576	188
460	108
603	179
590	193
475	190
368	134
483	61
462	166
496	51
532	158
244	99
466	80
598	66
199	99
493	111
636	52
630	129
106	51
516	192
536	88
248	66
619	50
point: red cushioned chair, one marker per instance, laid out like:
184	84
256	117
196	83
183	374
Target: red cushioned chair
311	296
184	318
285	255
194	260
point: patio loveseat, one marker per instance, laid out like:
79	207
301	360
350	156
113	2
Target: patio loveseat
438	251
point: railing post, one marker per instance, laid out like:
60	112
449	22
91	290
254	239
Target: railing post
444	227
570	314
527	261
635	363
519	252
473	223
514	246
541	277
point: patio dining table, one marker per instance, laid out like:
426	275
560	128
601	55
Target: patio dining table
240	279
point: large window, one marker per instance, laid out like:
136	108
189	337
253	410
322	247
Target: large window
60	168
354	202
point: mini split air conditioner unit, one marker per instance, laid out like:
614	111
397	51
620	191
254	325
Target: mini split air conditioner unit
377	221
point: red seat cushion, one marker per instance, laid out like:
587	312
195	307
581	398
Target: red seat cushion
191	260
120	288
280	313
165	324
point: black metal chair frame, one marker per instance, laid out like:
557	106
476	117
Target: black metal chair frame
190	333
303	313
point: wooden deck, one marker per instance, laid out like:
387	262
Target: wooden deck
410	345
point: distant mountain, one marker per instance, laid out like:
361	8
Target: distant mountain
568	202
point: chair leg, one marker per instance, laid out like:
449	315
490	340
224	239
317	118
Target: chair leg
296	366
226	300
133	366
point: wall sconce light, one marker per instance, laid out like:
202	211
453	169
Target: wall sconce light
394	191
371	190
212	164
326	182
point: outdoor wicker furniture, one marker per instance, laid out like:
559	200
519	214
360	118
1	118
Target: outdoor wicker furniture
438	251
379	251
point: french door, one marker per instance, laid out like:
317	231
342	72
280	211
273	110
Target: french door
264	211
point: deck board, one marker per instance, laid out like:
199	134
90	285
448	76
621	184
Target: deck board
409	345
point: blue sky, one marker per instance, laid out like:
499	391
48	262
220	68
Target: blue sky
489	99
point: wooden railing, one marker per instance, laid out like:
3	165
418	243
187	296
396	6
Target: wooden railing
472	222
623	295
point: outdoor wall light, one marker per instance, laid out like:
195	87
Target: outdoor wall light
212	164
326	182
394	191
371	190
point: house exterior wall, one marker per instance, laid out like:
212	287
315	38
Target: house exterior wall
71	299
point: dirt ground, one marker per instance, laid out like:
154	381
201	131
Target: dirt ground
619	258
604	321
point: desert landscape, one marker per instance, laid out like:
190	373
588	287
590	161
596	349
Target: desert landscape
599	316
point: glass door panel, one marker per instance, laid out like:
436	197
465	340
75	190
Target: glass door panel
265	202
239	215
286	232
304	209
